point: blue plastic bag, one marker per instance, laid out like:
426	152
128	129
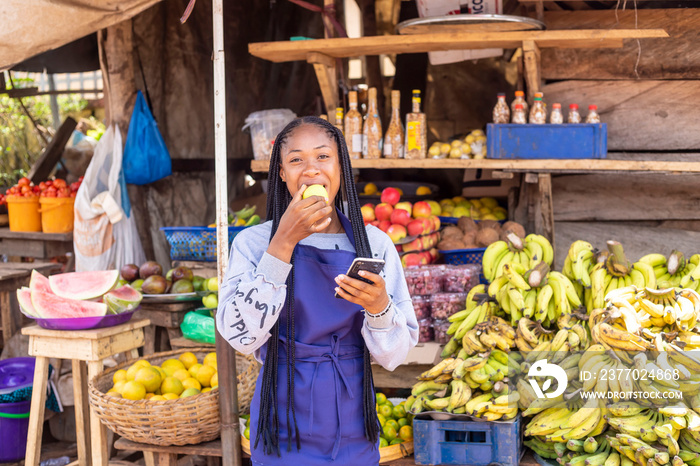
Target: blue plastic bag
146	159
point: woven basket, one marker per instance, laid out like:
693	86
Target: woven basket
184	421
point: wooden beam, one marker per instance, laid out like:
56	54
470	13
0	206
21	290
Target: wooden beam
284	51
523	165
324	66
531	53
52	154
544	213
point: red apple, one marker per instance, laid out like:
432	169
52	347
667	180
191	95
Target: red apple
368	213
405	205
396	232
415	227
426	257
421	209
384	225
433	253
401	217
415	245
427	225
411	260
399	247
374	223
436	222
383	211
391	196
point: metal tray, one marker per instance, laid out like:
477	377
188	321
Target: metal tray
468	23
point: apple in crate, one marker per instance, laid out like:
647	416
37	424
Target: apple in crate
391	196
415	227
383	211
368	213
396	232
405	205
400	217
421	209
384	225
415	245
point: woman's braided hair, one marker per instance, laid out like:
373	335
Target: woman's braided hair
278	199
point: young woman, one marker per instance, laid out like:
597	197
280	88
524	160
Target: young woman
278	300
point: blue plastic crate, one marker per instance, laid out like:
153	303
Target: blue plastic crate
195	243
567	141
466	442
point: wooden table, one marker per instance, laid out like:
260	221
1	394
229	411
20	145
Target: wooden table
38	245
14	275
85	348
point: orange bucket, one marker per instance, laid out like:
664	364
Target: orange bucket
24	213
57	214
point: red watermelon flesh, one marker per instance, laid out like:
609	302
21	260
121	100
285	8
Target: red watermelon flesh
24	296
51	306
39	282
122	299
83	285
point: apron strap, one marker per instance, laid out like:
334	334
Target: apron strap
347	226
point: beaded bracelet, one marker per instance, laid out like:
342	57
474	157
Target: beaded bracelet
376	316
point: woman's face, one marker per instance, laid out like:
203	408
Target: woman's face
310	156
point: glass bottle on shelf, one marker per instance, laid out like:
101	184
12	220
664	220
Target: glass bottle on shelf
339	118
574	116
519	115
372	129
393	139
556	117
538	114
593	116
353	127
519	99
416	146
501	112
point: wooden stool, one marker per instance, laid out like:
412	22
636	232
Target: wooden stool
156	455
83	347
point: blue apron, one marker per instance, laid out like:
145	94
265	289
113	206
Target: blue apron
328	370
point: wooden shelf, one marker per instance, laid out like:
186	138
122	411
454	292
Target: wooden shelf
284	51
520	165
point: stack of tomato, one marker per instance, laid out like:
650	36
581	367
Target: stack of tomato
49	188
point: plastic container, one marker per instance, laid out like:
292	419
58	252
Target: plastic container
264	127
443	305
567	141
14	425
24	213
421	306
476	443
195	243
460	278
424	280
56	214
440	331
465	256
425	330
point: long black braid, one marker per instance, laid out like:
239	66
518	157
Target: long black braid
278	199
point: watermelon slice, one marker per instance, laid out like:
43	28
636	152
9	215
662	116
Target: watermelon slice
24	296
83	285
122	299
39	282
51	306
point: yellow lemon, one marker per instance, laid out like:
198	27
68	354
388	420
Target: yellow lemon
188	359
171	385
207	389
173	365
149	378
114	393
181	374
119	375
423	191
490	217
315	190
194	369
205	374
134	391
134	368
171	396
190	392
489	202
476	203
158	398
119	386
191	383
406	433
160	371
370	188
210	360
214	382
500	215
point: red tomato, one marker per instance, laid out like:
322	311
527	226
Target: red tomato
49	183
50	193
59	183
36	189
24	181
42	185
74	186
25	189
51	189
81	179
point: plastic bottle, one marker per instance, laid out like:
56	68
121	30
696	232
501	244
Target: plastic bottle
372	129
519	116
353	127
574	116
394	137
556	117
416	146
60	461
339	118
538	114
593	116
501	112
519	99
541	96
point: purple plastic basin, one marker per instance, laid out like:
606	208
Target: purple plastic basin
14	425
16	373
84	323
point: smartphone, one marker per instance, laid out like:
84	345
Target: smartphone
363	263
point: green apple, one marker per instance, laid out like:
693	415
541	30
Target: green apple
213	284
210	301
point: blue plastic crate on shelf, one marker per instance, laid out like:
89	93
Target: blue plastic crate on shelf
567	141
195	243
465	256
462	442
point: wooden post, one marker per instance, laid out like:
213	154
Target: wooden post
82	411
531	57
544	212
36	416
98	431
228	388
325	69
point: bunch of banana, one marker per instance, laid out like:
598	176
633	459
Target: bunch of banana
670	272
534	293
579	263
484	371
692	278
493	333
536	343
244	217
600	372
617	329
527	252
669	308
492	406
593	451
587	421
543	449
452	398
478	308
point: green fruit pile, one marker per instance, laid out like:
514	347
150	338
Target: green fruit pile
395	422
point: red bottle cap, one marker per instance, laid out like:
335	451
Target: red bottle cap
573	106
592	107
556	105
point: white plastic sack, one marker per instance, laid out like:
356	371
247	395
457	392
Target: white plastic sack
104	234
